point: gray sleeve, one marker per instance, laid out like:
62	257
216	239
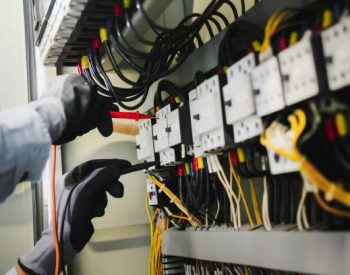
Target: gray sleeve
11	272
24	147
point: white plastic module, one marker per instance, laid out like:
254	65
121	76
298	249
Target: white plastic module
206	115
279	164
167	157
267	86
247	128
335	41
160	132
144	141
173	119
152	193
299	75
238	93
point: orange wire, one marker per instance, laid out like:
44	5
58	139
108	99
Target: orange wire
331	209
54	215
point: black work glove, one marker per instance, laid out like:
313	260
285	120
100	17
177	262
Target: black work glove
71	108
84	191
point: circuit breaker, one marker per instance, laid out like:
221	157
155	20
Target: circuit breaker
144	141
336	52
207	119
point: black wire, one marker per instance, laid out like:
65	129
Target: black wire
169	50
243	6
133	30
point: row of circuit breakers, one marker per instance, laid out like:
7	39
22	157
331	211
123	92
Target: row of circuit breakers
312	66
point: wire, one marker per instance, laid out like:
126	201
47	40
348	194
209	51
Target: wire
297	122
272	25
192	219
255	202
54	212
265	207
301	210
330	209
235	215
150	220
238	182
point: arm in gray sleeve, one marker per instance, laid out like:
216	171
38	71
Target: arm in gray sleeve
25	139
11	272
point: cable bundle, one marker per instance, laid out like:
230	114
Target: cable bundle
162	56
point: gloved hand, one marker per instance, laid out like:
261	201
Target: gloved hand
71	108
83	193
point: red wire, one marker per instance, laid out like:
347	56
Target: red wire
54	212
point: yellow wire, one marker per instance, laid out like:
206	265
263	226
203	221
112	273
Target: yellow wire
333	191
255	202
192	219
151	231
241	192
179	217
272	25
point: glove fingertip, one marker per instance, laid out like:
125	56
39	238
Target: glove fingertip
116	190
105	126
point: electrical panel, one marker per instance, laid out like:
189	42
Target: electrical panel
337	56
244	132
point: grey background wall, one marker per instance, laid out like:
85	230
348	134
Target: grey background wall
16	228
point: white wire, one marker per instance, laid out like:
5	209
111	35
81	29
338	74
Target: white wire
238	213
232	207
265	207
216	169
305	219
301	206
